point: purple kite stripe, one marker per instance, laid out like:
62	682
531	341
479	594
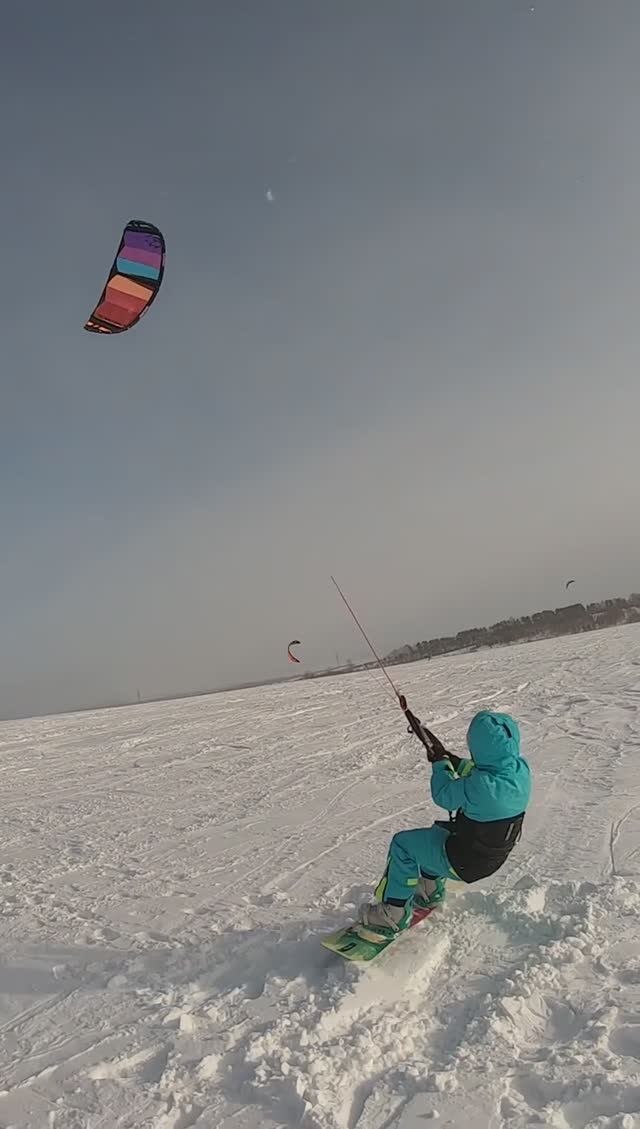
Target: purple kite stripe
145	241
140	255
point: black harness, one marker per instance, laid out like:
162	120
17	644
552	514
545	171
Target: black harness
476	850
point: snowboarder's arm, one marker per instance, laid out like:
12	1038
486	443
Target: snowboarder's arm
447	788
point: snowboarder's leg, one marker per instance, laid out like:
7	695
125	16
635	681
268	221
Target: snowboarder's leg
412	854
417	866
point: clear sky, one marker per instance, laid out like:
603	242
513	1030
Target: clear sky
398	336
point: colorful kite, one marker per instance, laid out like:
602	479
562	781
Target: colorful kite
293	643
134	280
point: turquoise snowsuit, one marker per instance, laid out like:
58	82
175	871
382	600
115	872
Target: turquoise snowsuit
494	785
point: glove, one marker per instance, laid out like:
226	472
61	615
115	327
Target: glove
435	749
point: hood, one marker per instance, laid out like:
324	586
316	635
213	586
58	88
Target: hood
493	739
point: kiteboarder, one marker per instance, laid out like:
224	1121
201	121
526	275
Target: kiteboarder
489	794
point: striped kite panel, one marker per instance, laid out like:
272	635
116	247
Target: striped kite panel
134	280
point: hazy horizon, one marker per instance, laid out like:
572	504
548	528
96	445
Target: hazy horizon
342	663
397	338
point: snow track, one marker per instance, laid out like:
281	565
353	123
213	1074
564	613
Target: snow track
165	871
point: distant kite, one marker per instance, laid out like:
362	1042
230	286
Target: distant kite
293	643
569	583
133	282
269	195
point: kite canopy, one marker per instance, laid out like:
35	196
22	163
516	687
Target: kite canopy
569	583
293	643
133	282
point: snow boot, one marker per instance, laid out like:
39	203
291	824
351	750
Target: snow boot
381	921
430	892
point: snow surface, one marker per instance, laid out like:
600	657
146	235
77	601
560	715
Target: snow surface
165	870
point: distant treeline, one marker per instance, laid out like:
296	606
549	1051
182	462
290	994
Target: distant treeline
542	625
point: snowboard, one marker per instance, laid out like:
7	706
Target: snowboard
352	946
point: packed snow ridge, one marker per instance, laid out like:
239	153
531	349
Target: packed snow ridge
165	872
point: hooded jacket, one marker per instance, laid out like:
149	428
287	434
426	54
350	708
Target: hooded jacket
489	793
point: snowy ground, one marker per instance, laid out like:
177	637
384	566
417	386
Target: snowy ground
165	869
